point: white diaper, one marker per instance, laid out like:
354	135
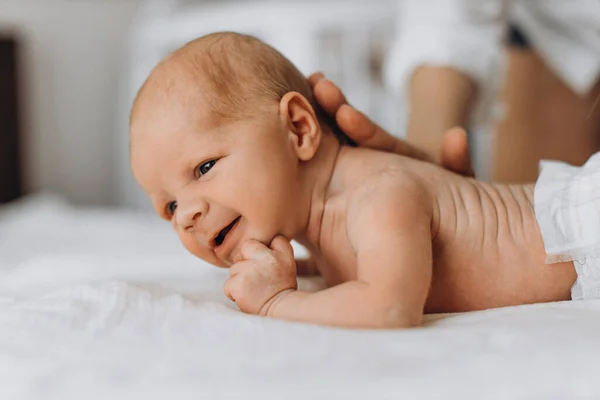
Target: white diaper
567	208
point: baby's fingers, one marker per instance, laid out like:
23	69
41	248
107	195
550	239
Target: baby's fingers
281	244
254	250
229	288
236	286
240	267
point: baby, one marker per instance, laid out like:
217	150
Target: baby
228	142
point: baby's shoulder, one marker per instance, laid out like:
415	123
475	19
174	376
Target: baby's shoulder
382	177
391	181
392	193
388	204
380	186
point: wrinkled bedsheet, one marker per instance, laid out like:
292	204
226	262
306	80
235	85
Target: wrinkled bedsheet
106	304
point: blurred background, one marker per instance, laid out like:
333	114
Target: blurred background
69	70
80	62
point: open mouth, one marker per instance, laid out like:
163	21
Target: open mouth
221	236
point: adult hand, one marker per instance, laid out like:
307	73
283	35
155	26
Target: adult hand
455	148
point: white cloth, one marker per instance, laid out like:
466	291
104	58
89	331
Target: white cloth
567	207
587	285
468	35
106	304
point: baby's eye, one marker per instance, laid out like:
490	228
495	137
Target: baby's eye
204	168
171	207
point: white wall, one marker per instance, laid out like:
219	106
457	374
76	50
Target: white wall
72	54
75	54
335	40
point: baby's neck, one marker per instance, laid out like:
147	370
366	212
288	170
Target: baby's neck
319	183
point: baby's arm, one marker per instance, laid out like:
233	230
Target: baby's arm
390	230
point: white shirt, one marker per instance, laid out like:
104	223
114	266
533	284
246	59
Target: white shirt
468	35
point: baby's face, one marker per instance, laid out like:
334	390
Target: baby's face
218	183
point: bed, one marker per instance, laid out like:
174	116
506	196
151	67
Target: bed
104	303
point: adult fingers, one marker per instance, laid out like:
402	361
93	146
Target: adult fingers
366	133
455	152
329	96
315	77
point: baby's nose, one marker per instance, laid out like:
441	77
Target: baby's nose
188	215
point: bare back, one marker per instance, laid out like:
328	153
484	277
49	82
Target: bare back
487	247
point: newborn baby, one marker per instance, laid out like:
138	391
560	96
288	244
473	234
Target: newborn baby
229	144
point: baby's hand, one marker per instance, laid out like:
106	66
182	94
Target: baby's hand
262	275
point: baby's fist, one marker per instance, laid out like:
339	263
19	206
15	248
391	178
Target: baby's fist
262	275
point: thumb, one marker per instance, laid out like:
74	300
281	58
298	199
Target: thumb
455	152
282	244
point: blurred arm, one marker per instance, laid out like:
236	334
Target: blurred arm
444	61
440	98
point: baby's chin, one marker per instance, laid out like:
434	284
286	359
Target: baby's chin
235	256
207	255
222	264
204	254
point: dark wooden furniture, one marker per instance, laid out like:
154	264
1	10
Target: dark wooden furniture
10	164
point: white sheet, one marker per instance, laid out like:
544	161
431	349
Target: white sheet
99	304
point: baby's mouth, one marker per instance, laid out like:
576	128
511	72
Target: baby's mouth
221	236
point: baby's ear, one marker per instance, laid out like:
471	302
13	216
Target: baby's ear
302	123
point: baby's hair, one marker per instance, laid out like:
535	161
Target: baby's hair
238	75
241	74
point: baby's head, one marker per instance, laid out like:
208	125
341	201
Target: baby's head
220	133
